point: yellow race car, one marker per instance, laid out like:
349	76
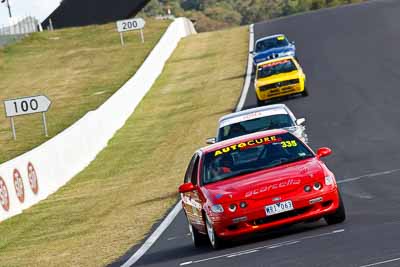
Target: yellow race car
279	77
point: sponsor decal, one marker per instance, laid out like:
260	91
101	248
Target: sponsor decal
272	64
281	38
4	197
189	201
19	186
251	116
247	144
270	187
33	180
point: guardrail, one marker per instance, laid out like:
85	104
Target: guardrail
33	176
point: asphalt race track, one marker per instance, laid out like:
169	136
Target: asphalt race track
351	56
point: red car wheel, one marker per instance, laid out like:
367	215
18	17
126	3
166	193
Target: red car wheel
215	241
197	238
339	215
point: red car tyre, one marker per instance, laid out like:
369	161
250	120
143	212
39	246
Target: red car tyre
339	215
215	241
197	238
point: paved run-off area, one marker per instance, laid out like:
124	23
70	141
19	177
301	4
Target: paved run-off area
111	205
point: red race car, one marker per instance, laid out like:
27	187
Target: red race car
256	182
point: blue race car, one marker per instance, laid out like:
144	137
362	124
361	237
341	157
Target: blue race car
271	47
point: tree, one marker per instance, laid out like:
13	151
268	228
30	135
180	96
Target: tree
216	14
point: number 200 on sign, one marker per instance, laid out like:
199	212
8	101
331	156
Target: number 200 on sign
129	25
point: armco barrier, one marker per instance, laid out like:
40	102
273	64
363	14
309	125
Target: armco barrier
33	176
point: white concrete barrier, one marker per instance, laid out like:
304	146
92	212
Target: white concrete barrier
33	176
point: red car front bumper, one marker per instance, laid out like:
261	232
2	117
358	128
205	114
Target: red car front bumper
255	219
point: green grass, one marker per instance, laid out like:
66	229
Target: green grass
77	68
112	204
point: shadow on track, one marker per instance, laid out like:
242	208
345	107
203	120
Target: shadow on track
182	253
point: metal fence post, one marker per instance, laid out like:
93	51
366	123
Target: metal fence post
142	35
19	28
13	128
51	25
122	38
29	24
24	28
45	124
32	24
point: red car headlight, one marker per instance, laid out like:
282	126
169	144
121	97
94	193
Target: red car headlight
329	180
217	208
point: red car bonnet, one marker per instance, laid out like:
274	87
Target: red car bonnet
262	184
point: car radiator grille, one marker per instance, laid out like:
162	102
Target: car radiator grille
280	216
279	84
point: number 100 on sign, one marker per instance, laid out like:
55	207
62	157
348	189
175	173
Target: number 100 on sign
26	105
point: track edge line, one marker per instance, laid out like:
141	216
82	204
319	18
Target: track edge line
247	80
154	236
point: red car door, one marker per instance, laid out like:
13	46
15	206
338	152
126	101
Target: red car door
191	200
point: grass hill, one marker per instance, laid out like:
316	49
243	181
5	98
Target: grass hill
77	68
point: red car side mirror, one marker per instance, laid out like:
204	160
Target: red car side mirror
188	187
323	152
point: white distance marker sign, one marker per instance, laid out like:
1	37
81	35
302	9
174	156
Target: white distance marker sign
130	25
26	105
